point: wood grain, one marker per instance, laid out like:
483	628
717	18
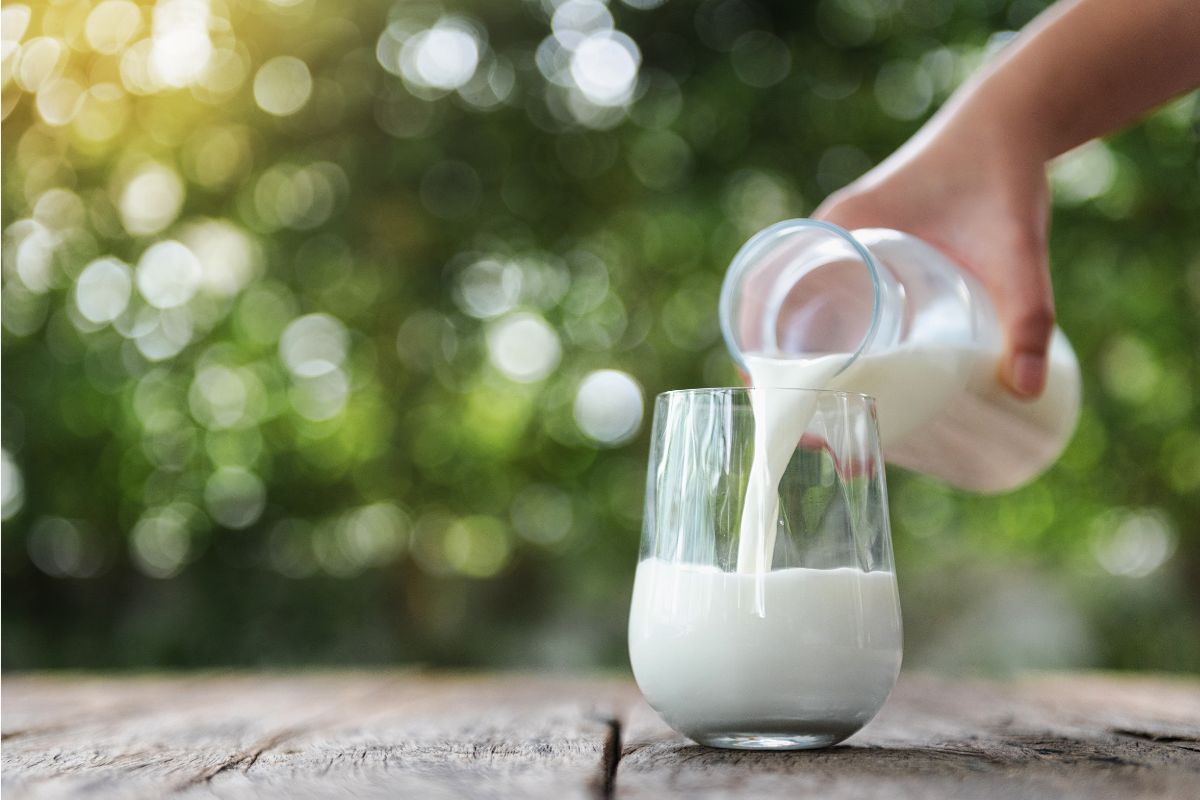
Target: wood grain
410	734
341	734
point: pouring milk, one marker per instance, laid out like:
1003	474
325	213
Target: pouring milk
803	656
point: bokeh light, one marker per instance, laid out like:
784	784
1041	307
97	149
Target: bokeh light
42	59
761	59
102	114
298	197
151	199
29	250
229	258
223	397
161	541
574	20
59	100
609	406
168	274
903	90
488	288
14	22
314	345
180	46
443	57
524	347
103	290
234	497
111	24
372	536
1084	174
604	66
12	486
161	335
320	397
282	86
477	547
61	548
1132	543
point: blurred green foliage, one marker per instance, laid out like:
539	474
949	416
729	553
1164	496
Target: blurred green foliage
329	328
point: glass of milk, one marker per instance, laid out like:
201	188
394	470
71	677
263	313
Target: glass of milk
765	613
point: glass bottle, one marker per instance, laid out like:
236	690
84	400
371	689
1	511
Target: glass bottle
884	313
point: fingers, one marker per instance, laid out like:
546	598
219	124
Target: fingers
1025	305
1011	261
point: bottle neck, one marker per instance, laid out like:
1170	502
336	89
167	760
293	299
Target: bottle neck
808	288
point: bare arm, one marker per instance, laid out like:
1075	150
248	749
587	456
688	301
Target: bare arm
1089	67
972	181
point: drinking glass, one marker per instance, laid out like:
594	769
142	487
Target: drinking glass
795	642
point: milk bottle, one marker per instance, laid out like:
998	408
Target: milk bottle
890	316
808	304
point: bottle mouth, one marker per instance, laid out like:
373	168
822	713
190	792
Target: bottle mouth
801	287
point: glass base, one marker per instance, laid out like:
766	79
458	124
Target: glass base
769	741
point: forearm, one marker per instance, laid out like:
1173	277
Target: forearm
1083	69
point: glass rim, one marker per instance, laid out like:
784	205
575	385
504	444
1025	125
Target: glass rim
862	396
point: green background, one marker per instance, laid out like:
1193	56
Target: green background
183	490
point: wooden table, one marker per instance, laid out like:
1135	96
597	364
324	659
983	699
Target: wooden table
412	734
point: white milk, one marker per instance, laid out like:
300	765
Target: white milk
910	386
940	410
821	659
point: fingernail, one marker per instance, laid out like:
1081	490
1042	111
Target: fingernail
1028	373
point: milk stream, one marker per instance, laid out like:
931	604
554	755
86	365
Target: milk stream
940	410
822	660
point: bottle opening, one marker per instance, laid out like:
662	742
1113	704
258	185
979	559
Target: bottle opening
800	287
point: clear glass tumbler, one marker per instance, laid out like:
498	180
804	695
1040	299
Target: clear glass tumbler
765	618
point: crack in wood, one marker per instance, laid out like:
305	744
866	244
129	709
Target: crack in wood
244	759
1189	743
611	758
248	757
1162	738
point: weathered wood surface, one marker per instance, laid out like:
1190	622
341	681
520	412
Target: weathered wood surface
1049	737
338	734
371	735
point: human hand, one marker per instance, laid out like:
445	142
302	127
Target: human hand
981	197
972	182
